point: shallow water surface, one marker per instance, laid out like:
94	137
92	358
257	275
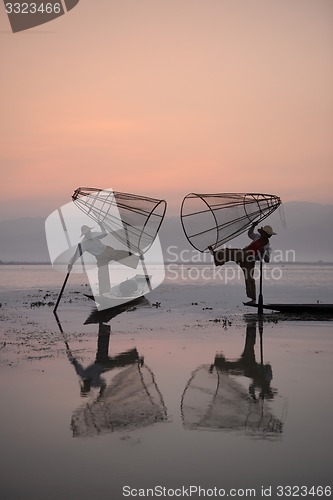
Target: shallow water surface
214	411
184	390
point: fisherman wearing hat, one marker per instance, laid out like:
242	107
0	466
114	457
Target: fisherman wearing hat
246	258
104	254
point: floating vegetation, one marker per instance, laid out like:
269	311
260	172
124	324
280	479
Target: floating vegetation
41	304
225	322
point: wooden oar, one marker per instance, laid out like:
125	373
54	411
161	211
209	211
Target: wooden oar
260	300
66	279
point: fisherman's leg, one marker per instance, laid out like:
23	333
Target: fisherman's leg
123	256
103	341
226	255
250	284
103	277
248	355
219	257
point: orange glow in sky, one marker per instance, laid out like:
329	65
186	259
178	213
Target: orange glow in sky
167	97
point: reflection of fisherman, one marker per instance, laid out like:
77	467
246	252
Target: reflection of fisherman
91	376
130	400
104	254
246	258
247	366
215	396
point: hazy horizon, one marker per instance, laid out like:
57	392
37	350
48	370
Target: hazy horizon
308	230
18	212
167	98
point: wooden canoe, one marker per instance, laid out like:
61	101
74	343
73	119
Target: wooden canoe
299	308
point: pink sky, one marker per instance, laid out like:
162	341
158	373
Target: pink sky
167	97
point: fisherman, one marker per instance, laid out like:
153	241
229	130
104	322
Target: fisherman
104	254
246	258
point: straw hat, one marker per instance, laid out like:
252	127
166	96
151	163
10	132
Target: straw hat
267	229
85	230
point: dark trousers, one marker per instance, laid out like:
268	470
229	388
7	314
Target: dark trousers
245	260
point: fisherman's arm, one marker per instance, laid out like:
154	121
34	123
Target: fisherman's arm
251	234
267	253
103	232
81	372
78	253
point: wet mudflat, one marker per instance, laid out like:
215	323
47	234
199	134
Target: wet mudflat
176	391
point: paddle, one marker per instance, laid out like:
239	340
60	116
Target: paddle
260	300
61	292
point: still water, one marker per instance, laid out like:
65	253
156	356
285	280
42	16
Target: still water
162	397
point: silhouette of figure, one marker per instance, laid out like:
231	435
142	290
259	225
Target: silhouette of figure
247	366
246	258
104	254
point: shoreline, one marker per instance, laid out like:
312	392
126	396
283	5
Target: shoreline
179	263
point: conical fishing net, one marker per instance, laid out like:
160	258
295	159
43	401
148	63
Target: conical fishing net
215	400
215	219
134	220
131	401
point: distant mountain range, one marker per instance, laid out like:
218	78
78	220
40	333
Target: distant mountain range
23	240
308	233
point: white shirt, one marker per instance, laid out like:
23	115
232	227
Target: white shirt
93	245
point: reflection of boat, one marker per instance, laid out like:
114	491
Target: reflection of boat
215	396
105	315
317	309
131	401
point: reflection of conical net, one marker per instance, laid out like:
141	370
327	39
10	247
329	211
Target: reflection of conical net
134	220
131	401
214	219
214	400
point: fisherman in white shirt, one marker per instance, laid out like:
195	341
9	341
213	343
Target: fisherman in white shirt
104	254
